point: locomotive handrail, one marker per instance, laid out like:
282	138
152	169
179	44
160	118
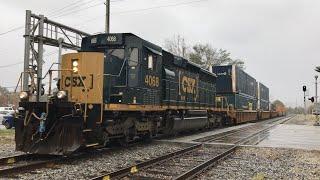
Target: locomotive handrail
21	81
85	87
49	70
50	76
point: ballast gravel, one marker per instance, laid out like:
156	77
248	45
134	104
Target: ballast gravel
104	162
8	146
267	163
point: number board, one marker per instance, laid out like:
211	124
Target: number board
112	39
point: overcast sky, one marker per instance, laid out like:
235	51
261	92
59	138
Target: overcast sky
278	39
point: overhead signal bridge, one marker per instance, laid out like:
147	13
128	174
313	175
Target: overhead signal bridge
43	31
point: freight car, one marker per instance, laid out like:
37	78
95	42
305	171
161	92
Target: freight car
119	87
263	101
239	90
116	88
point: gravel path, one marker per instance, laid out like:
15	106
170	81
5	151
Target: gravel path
106	162
267	163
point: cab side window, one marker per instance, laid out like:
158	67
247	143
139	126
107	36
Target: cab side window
133	57
133	65
150	61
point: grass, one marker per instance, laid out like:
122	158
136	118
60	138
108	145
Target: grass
6	132
6	136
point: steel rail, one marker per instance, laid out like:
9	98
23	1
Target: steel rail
234	131
207	164
30	166
127	171
46	162
215	137
229	133
23	157
135	168
200	168
15	158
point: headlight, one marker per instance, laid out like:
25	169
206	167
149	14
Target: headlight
75	63
75	69
61	94
23	95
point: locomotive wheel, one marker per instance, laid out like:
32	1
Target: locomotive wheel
105	138
147	137
124	141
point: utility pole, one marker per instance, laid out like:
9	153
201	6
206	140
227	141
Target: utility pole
107	28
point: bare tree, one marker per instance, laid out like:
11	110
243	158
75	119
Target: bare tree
202	54
177	46
207	56
7	97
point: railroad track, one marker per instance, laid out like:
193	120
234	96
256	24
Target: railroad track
197	156
18	164
26	162
232	136
183	164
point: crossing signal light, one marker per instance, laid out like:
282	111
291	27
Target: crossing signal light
311	99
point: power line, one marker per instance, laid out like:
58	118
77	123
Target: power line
77	10
10	65
146	9
158	7
21	62
64	11
73	8
12	30
65	7
56	12
101	2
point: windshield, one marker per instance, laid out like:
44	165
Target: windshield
114	61
116	54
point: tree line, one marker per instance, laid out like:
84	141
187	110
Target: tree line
205	55
8	98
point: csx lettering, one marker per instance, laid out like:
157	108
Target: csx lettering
152	81
188	85
76	82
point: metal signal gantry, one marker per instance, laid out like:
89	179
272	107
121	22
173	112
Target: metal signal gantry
42	31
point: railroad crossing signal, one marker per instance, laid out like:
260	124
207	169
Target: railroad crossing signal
311	99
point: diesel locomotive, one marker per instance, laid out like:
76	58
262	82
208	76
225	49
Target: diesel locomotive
116	88
119	87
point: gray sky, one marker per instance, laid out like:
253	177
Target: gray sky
278	39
